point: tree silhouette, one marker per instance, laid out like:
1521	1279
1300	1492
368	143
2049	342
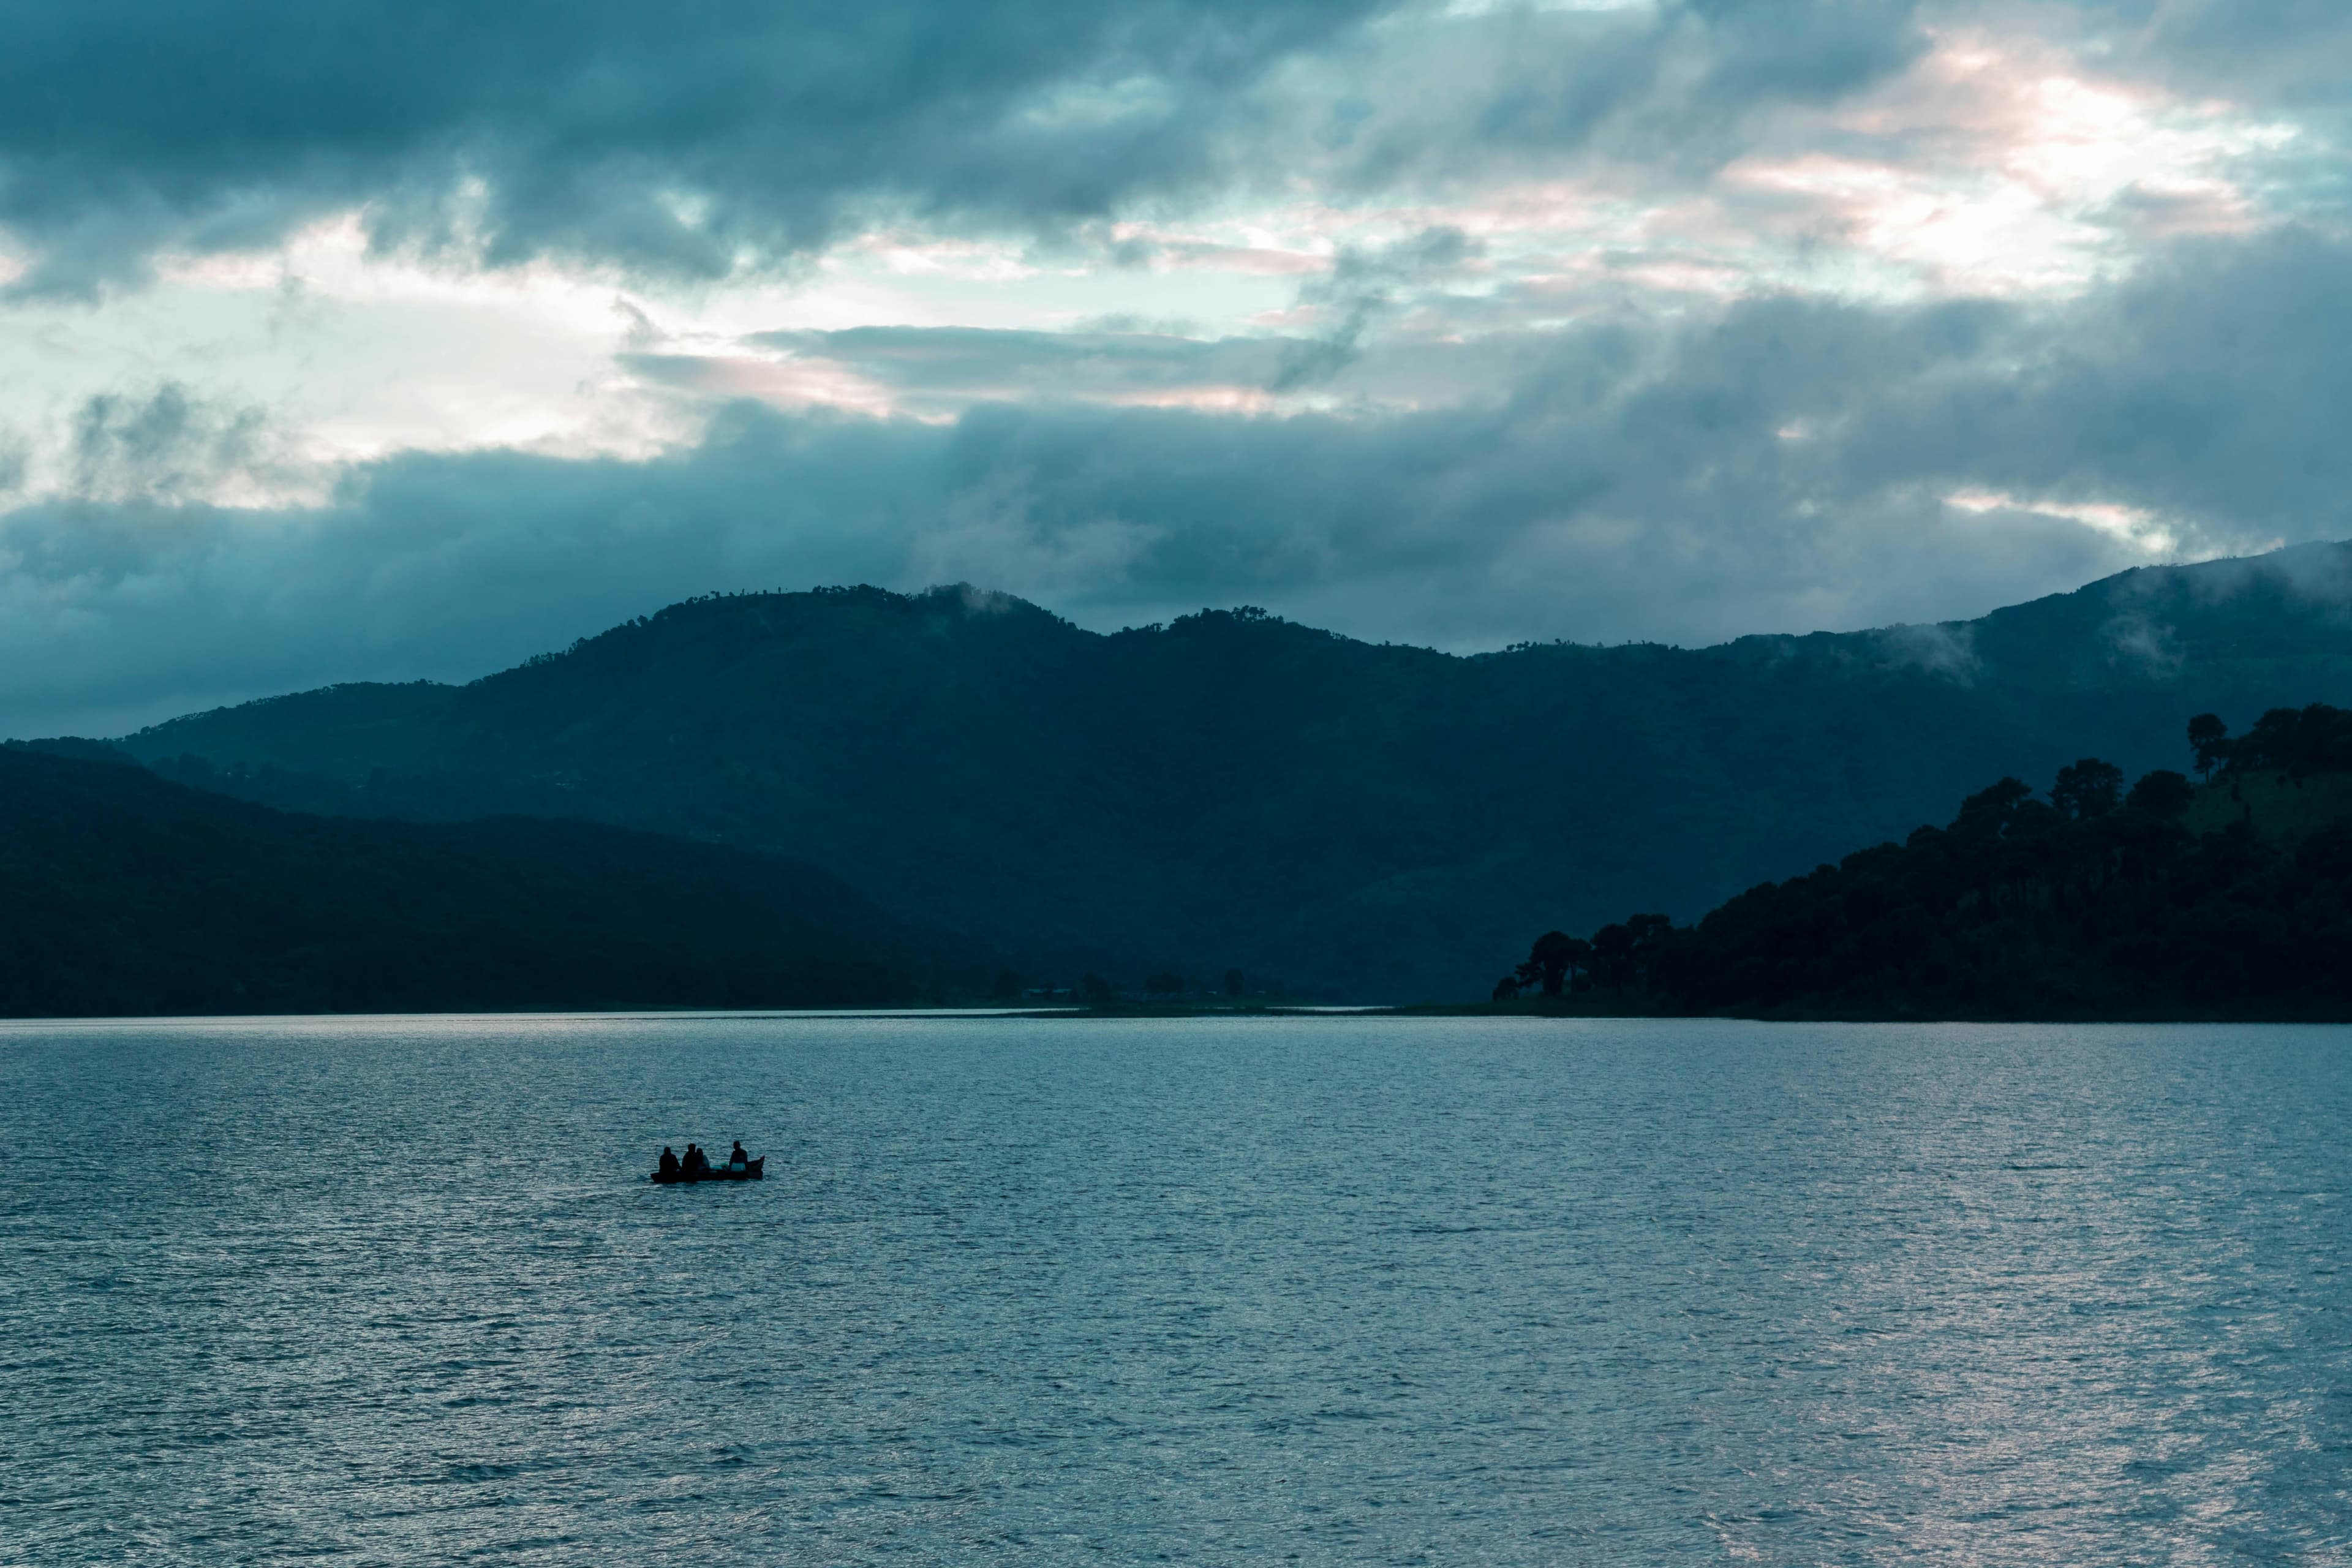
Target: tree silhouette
2298	742
2162	793
2209	738
1624	951
1990	811
2088	789
1555	956
1650	935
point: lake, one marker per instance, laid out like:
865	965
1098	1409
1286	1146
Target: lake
1315	1291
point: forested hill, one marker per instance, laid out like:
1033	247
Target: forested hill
127	894
2167	900
1362	821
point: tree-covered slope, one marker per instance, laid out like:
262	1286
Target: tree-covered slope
2169	900
1364	820
128	894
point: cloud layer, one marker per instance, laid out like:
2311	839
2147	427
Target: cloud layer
701	138
675	138
1783	465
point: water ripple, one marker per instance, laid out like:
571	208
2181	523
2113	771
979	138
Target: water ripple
1311	1290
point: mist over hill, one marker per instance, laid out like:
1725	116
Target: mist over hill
1230	789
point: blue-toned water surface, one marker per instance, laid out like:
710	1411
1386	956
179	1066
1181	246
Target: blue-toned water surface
1315	1291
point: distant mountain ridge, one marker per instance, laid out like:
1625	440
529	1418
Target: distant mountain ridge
1232	789
2148	625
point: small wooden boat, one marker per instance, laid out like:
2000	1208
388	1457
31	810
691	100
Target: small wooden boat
750	1171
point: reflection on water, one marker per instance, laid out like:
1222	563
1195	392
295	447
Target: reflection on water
1316	1290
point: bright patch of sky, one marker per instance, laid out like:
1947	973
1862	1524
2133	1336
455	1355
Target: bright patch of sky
2135	526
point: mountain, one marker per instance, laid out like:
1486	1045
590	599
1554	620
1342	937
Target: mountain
1230	789
128	894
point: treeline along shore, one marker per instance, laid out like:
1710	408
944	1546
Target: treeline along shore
2228	895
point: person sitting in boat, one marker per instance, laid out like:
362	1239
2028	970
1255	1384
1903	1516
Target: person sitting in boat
668	1162
739	1159
696	1162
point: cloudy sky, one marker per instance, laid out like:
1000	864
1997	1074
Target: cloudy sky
374	341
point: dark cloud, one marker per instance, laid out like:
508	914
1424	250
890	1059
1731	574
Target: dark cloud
1784	464
165	445
687	138
1362	288
2273	53
2210	388
1812	52
668	136
695	138
1674	88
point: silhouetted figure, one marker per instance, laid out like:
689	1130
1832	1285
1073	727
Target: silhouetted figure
668	1162
738	1157
696	1162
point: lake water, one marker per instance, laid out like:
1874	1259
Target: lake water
1315	1291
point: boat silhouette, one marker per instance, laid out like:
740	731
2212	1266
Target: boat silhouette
750	1170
